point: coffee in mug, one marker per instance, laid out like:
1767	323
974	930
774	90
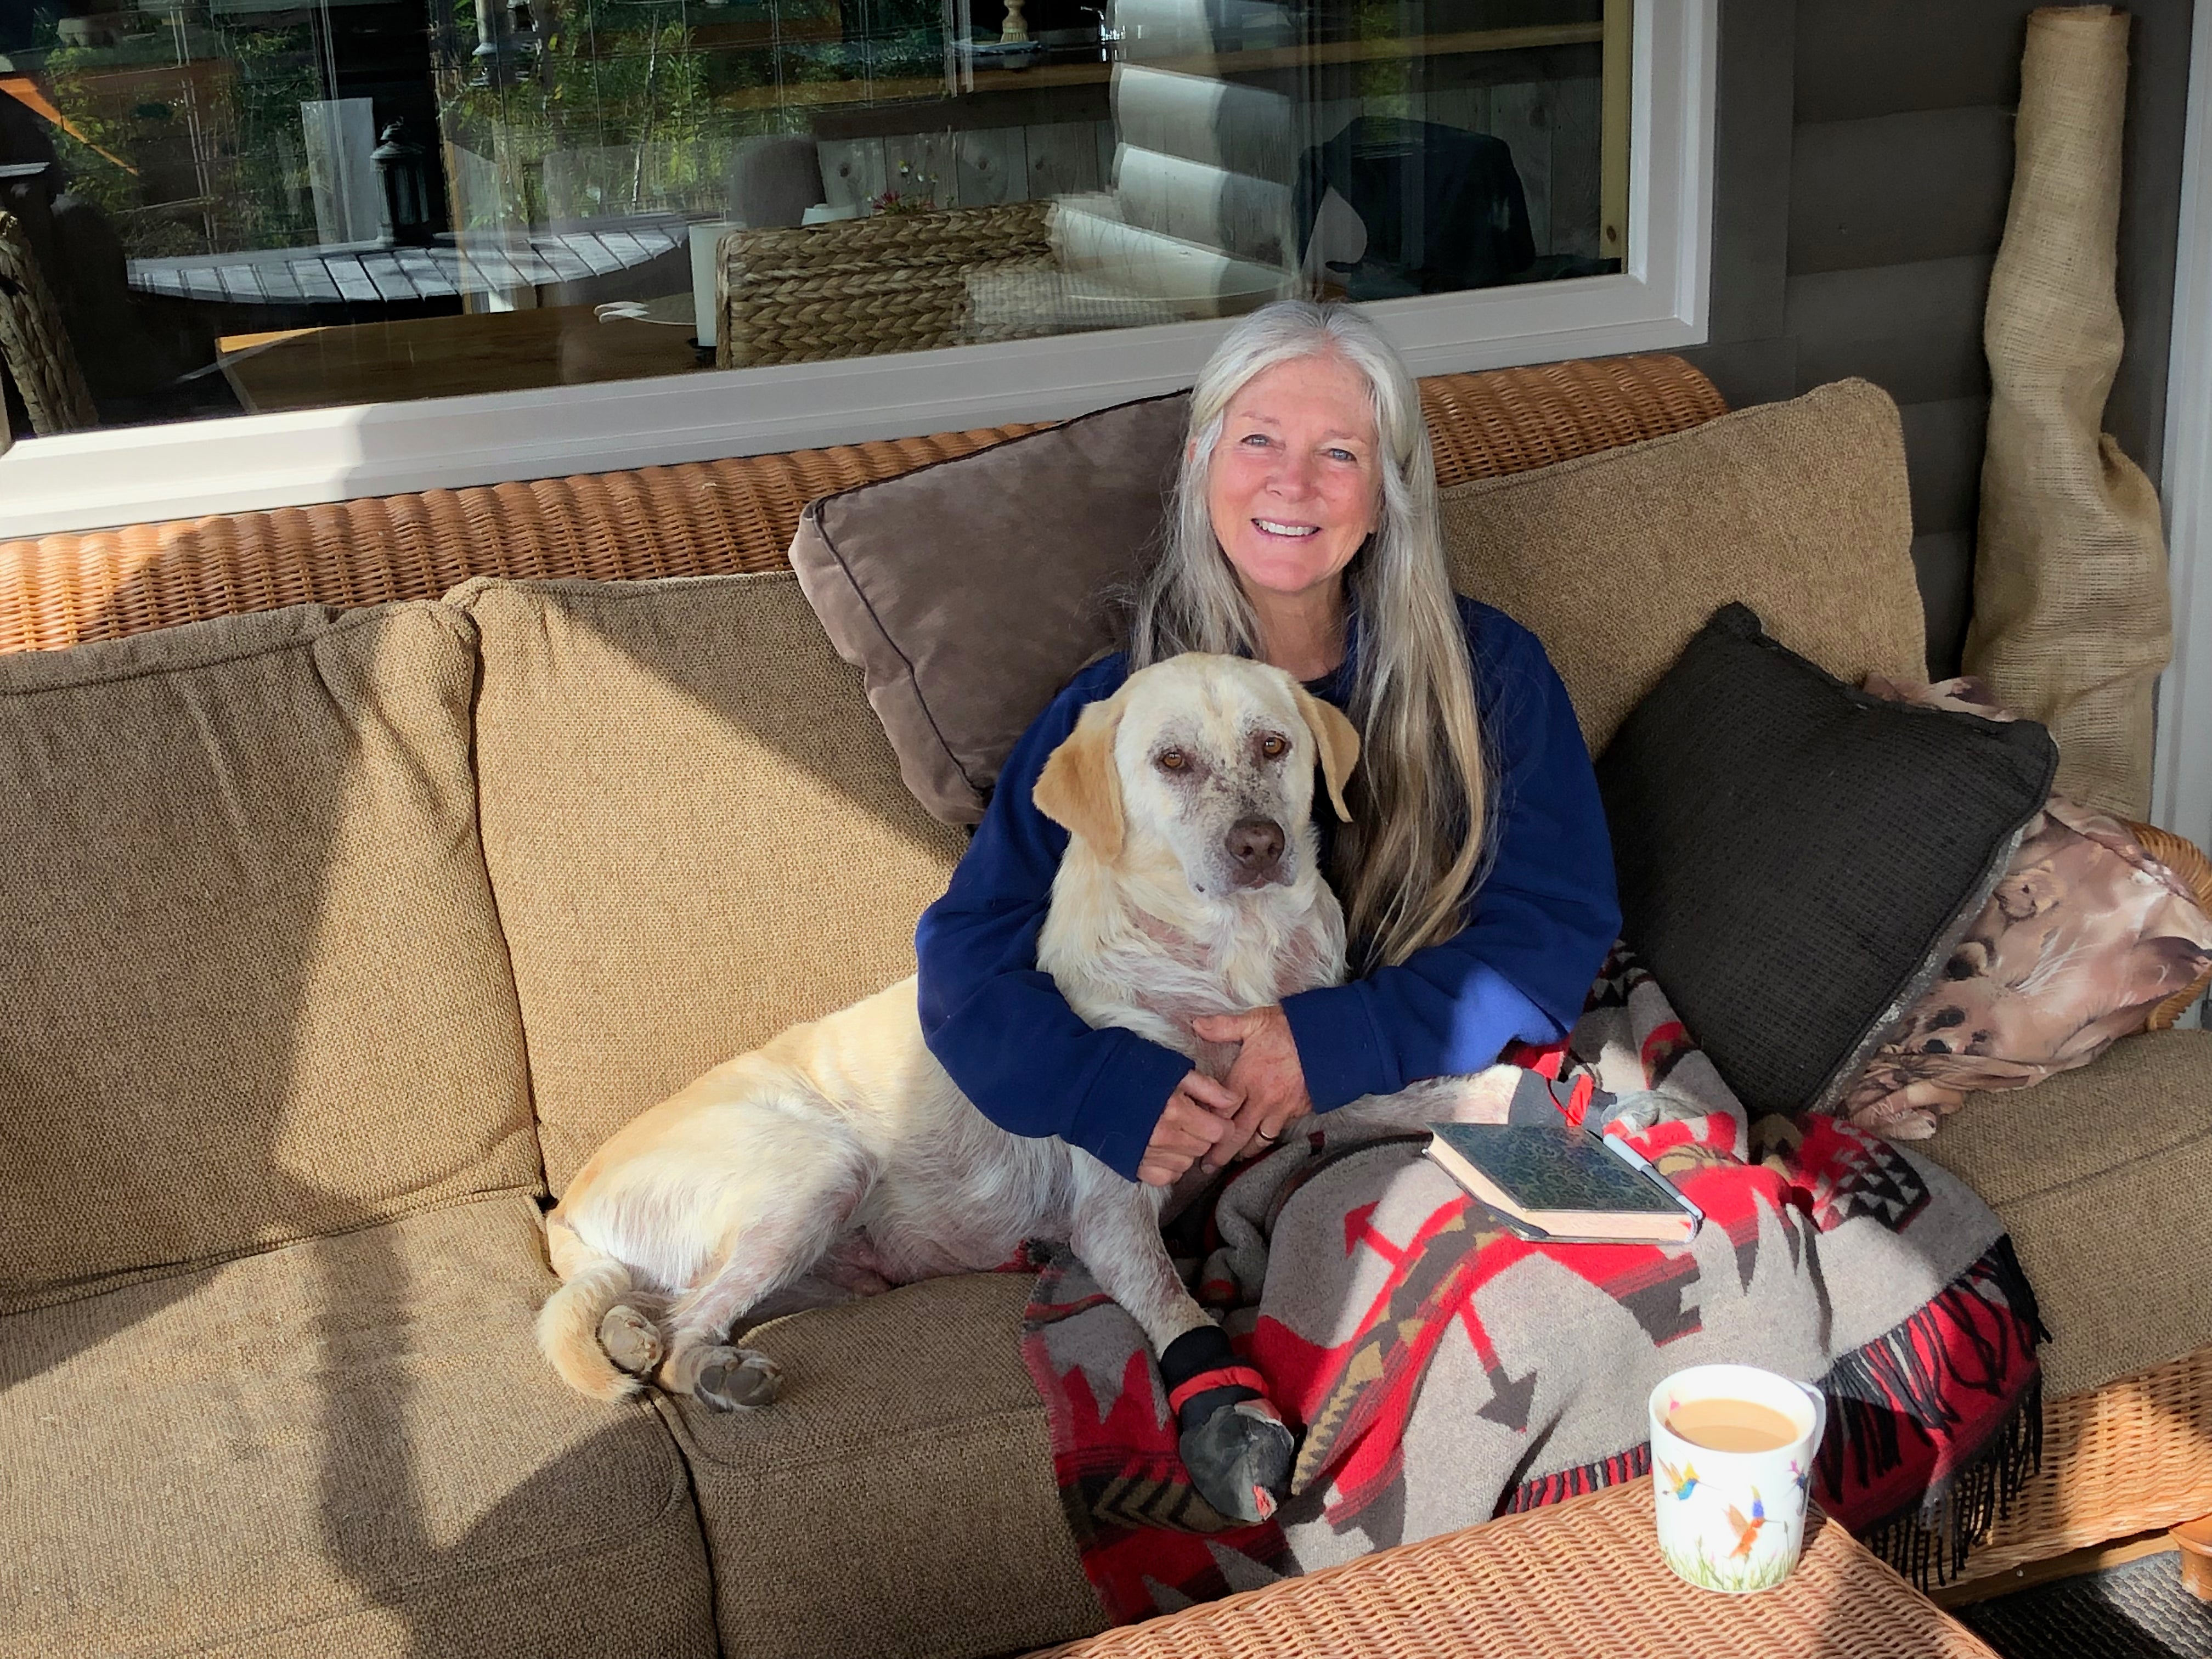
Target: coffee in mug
1731	1425
1732	1449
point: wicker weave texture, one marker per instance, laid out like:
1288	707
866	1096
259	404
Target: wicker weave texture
1571	1580
695	519
2182	857
858	288
40	358
707	518
1510	420
2129	1457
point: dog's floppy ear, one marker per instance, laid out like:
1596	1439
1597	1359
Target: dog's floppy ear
1079	789
1337	739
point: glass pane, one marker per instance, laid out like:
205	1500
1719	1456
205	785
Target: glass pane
253	205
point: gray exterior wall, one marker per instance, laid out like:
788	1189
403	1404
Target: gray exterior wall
1864	158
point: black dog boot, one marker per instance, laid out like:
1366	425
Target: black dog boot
1237	1449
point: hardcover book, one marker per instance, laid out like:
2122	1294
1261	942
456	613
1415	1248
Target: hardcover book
1558	1183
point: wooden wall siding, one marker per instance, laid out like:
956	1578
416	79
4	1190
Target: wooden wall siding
1915	329
1943	442
1577	116
1859	57
1898	189
1856	216
1551	127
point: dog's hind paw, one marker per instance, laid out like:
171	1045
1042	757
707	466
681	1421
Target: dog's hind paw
1239	1459
736	1380
631	1339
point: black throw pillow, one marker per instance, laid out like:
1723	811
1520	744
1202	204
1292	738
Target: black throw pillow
1797	859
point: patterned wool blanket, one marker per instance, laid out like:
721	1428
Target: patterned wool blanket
1441	1371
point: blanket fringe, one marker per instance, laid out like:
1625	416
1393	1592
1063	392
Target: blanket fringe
1630	1465
1907	1376
1931	1541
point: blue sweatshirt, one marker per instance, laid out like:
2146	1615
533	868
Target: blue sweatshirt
1538	928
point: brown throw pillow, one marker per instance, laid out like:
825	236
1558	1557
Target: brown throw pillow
969	592
1616	560
2084	936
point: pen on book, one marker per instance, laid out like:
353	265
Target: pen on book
1636	1160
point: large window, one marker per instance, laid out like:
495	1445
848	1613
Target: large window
339	211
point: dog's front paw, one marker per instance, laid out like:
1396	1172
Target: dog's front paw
1239	1459
736	1380
631	1339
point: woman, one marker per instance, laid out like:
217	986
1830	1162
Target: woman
1476	875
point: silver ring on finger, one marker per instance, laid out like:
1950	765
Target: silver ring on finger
1264	1135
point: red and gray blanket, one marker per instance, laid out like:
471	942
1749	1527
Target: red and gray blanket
1441	1371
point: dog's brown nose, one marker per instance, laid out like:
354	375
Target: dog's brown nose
1256	844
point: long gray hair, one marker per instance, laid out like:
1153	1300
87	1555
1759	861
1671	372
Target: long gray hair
1418	796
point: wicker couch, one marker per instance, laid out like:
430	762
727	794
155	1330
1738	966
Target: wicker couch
337	937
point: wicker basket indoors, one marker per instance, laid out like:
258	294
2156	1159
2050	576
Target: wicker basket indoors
855	288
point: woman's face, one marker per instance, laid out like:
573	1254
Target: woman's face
1296	485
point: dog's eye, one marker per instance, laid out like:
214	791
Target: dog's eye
1172	760
1273	746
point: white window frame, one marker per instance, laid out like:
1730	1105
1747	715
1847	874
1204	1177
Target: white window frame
90	480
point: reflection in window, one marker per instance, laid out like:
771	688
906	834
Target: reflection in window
253	205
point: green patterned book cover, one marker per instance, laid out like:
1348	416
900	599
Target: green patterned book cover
1560	1180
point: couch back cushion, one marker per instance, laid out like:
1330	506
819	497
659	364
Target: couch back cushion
696	831
255	987
1614	560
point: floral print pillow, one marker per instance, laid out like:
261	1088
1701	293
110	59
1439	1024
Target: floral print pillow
2085	935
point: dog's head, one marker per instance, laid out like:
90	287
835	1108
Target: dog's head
1206	760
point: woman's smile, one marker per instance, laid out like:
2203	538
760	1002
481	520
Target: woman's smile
1293	487
1293	490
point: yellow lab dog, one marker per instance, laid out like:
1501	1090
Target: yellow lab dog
840	1156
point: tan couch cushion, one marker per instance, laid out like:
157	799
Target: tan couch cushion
898	1497
2100	1175
348	1446
696	831
255	987
1614	560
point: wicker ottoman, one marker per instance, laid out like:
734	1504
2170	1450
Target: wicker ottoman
1581	1580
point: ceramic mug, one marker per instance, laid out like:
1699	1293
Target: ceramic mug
1733	1520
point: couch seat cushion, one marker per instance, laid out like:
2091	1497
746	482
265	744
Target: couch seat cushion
694	829
898	1501
255	986
2100	1175
349	1445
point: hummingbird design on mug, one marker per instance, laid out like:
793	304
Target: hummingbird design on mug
1748	1529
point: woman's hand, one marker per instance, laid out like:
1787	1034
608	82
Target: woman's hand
1196	1118
1267	1074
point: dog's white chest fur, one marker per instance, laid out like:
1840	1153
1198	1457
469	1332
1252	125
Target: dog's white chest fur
1152	956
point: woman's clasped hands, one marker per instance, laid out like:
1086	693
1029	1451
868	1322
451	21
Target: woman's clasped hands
1243	1114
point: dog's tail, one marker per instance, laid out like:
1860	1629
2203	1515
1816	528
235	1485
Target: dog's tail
569	1327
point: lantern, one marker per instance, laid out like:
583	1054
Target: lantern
406	202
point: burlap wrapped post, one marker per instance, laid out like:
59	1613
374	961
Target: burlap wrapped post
2071	619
